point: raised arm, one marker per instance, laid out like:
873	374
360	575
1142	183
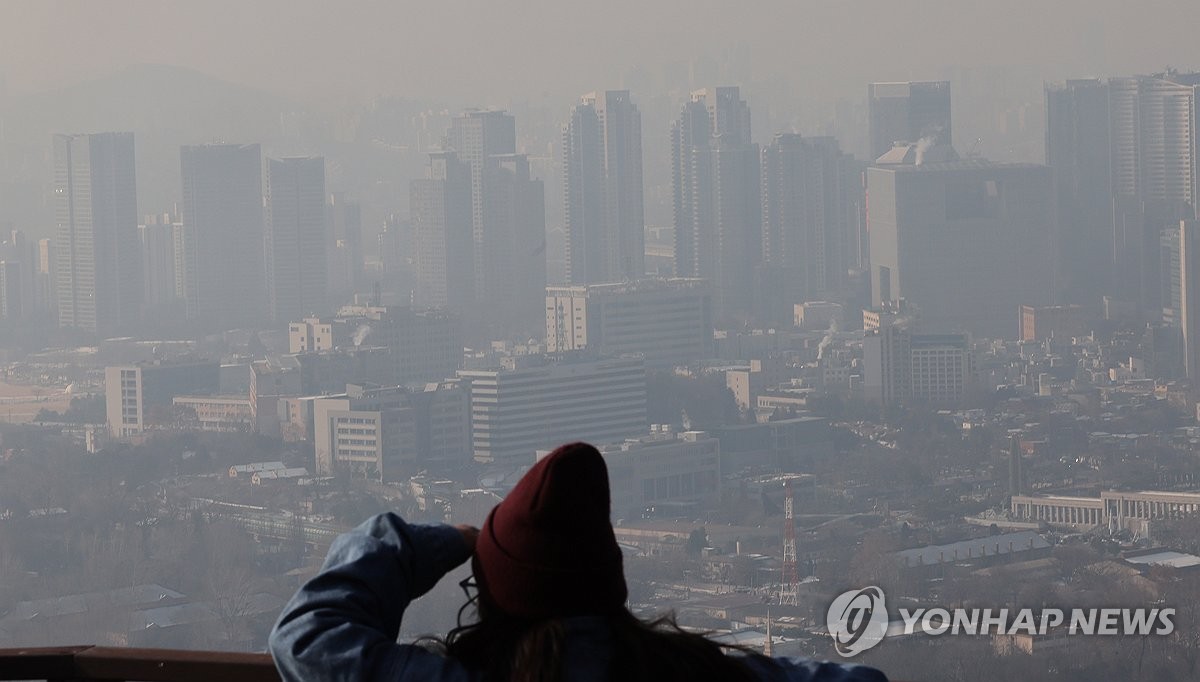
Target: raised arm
342	625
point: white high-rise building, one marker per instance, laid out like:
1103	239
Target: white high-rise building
530	403
99	262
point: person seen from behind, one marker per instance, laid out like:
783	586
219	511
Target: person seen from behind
550	600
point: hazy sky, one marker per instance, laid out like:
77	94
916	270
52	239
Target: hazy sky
501	48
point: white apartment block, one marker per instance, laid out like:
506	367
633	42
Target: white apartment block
531	403
667	321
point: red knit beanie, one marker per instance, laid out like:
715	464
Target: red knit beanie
548	549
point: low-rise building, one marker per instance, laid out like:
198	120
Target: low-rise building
1114	509
218	412
663	467
131	392
367	430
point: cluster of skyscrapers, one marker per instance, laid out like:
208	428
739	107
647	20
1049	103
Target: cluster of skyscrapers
251	242
756	229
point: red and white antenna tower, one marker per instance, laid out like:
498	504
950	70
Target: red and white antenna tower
789	591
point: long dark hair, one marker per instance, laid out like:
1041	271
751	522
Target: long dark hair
507	648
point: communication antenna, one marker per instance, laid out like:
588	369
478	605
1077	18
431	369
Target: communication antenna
789	591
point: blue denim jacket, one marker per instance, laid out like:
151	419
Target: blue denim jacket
343	624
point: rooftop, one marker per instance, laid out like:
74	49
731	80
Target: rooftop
994	545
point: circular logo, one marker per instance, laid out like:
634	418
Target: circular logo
858	620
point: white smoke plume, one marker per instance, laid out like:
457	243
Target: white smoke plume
361	333
827	339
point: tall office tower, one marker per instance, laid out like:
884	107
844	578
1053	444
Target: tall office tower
99	261
394	243
717	198
508	225
476	136
1124	158
602	184
45	283
1189	281
440	205
666	321
1154	176
222	235
158	259
297	274
809	217
11	307
345	246
20	272
514	276
1077	151
967	242
908	112
1171	296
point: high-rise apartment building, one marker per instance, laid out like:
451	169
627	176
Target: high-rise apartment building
602	184
666	321
222	274
717	198
508	225
345	246
908	112
514	273
20	277
810	200
1123	153
45	284
158	259
1189	290
475	136
296	266
11	303
966	242
440	205
531	404
1077	151
99	260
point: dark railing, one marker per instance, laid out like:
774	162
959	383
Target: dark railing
116	664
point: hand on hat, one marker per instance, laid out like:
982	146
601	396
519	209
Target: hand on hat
469	535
